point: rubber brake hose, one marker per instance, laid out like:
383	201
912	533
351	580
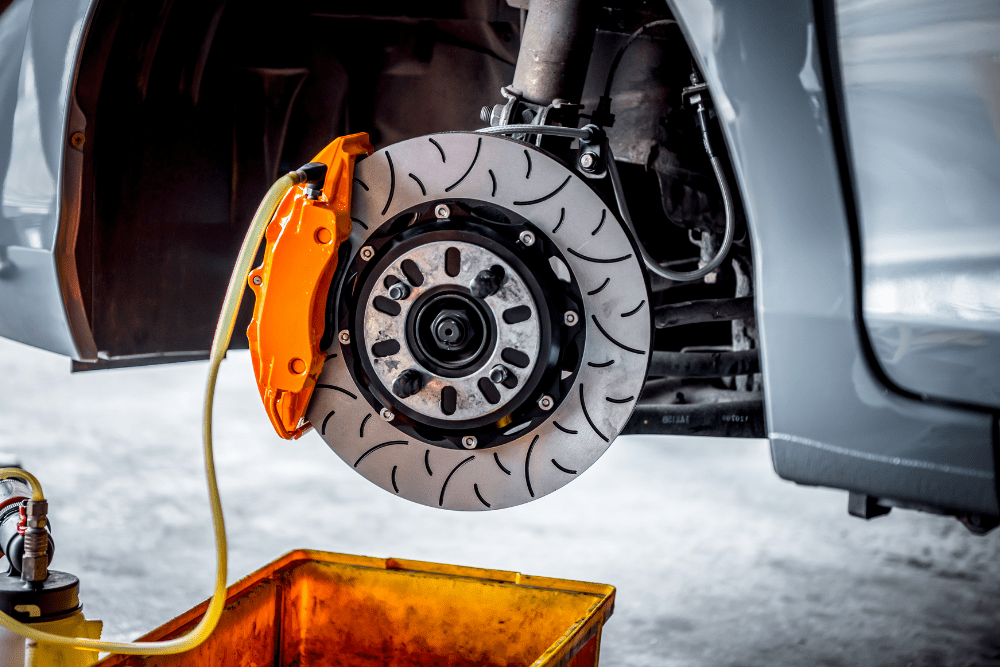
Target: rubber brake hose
220	343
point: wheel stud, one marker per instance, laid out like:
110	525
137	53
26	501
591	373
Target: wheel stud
499	373
408	383
486	283
399	291
469	442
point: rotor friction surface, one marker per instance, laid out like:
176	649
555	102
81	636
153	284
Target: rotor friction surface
610	375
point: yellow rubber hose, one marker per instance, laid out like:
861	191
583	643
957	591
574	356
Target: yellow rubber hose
223	334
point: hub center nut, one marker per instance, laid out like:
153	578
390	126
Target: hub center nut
451	329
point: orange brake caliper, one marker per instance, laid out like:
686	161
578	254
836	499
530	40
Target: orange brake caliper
292	285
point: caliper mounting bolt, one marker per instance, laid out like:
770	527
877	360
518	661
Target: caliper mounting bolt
469	442
367	253
587	161
545	402
399	291
527	238
344	337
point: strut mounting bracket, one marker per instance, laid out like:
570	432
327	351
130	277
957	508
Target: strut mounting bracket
292	283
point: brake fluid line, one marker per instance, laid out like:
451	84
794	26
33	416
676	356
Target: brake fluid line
220	343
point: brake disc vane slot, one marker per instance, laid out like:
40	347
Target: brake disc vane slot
292	284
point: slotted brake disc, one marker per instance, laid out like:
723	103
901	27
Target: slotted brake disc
490	324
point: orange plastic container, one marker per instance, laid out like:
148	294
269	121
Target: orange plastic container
312	608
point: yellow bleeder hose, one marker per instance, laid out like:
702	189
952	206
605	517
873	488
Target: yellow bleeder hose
223	334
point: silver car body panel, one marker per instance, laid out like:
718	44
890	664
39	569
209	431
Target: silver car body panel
831	421
40	302
922	93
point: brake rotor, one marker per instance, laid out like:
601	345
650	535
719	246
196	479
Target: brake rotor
490	324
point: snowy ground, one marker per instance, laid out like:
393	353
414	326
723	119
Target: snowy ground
716	560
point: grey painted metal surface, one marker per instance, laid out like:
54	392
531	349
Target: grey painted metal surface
831	422
922	94
40	299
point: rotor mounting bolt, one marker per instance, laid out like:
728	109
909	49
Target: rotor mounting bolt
367	253
587	161
442	211
570	318
386	414
527	238
344	337
469	442
408	383
499	373
399	291
546	402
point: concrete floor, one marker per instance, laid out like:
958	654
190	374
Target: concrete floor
716	560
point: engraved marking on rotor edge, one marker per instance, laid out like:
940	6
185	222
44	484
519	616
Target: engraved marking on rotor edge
453	471
564	429
494	179
604	214
427	462
380	446
322	430
515	357
394	486
619	400
440	150
392	182
583	404
360	223
597	260
452	261
496	457
412	272
454	185
527	156
335	388
565	470
449	400
387	306
603	364
516	314
527	459
361	183
423	190
599	289
548	196
475	487
635	310
608	336
364	421
562	219
386	348
489	391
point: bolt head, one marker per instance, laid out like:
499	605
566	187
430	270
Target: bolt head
442	211
527	238
257	280
469	442
399	291
367	253
546	402
344	337
498	373
587	161
386	414
570	318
